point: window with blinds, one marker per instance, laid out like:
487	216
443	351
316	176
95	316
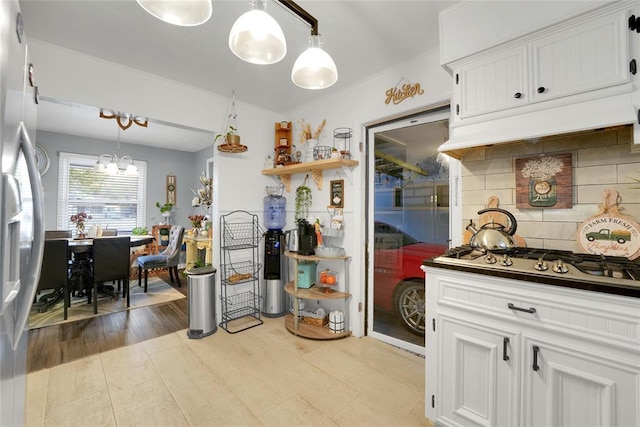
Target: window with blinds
114	201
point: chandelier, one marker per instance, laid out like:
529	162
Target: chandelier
185	13
256	37
116	164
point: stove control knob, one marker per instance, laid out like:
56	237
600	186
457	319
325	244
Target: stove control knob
560	267
506	260
490	258
540	265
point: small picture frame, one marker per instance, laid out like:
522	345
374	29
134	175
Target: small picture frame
336	194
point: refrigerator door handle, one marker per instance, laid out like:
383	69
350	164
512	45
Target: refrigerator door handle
14	290
37	248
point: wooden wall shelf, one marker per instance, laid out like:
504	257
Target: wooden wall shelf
315	167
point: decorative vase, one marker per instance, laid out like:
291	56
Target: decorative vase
80	231
308	150
167	217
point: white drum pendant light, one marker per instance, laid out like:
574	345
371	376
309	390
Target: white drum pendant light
186	13
256	37
314	68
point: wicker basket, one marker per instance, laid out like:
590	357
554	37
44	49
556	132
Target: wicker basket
315	321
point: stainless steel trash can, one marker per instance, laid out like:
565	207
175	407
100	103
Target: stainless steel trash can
201	299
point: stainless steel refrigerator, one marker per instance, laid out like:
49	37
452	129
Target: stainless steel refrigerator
21	210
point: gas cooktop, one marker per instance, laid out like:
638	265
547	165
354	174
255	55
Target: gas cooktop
536	262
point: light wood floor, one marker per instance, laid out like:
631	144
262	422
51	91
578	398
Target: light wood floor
261	376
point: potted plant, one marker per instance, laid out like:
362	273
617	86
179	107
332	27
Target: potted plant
140	231
303	201
165	210
231	137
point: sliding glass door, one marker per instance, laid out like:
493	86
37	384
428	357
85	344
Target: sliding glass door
408	221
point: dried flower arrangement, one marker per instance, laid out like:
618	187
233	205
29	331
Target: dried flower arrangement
307	133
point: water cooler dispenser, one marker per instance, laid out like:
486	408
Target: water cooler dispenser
274	299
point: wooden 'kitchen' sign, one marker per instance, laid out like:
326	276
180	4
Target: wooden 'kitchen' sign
399	93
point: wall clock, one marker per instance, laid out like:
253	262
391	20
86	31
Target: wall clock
171	189
42	160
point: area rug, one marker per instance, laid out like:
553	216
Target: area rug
158	292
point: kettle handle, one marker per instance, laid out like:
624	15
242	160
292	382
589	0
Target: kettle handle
512	219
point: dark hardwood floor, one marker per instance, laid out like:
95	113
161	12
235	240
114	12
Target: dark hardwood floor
53	345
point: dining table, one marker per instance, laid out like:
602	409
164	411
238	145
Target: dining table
80	273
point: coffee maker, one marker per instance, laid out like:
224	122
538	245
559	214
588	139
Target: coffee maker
307	239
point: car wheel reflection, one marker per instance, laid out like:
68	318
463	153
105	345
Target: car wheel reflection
410	306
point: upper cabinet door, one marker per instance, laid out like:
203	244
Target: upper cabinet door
580	58
496	82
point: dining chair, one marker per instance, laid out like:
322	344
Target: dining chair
54	273
110	262
169	258
109	232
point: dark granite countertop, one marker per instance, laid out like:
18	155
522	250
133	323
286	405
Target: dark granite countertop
624	289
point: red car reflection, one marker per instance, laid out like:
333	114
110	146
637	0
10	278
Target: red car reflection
398	280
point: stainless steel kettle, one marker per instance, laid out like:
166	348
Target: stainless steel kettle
291	237
493	236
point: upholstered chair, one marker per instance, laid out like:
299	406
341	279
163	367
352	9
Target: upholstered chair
111	261
169	258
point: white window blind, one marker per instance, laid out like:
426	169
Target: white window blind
114	201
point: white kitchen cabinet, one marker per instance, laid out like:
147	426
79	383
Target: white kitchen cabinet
569	62
588	56
568	386
492	83
479	378
573	355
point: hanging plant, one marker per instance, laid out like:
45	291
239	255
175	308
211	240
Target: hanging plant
303	201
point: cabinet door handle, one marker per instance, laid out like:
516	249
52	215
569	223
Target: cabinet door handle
536	349
517	95
541	89
505	343
531	310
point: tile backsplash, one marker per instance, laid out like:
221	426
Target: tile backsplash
601	160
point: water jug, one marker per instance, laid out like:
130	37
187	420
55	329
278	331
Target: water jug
274	212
